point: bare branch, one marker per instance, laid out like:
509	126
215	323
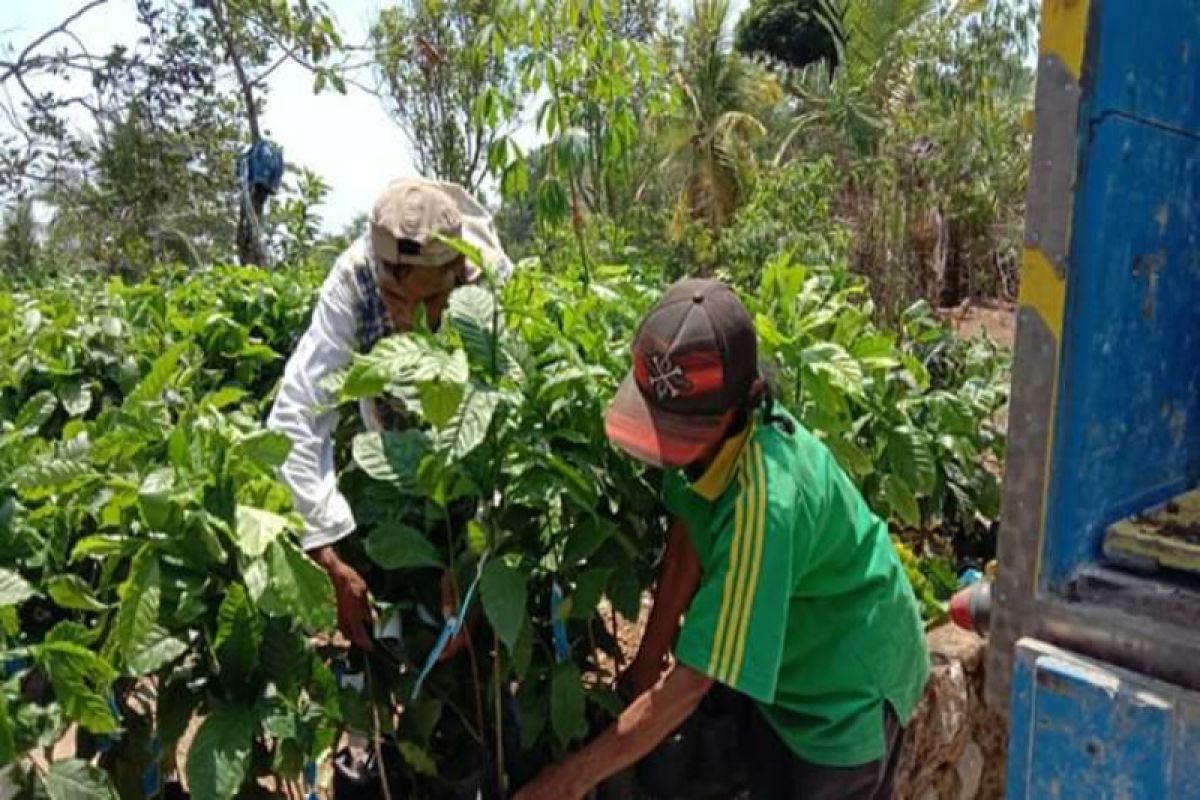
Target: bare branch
57	29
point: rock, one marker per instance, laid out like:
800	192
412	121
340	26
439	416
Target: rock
954	644
954	747
970	771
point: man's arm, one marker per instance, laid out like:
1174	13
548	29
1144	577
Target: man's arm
304	411
640	728
678	578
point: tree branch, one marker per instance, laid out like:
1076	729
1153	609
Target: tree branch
17	65
231	49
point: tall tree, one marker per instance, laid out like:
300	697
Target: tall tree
794	32
19	245
451	94
712	137
153	139
258	36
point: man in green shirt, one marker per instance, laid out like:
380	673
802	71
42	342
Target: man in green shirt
789	587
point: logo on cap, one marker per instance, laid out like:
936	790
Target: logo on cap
666	377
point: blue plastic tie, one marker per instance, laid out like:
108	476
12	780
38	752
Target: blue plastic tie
562	648
453	624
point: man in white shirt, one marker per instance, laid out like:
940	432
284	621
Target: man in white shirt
375	288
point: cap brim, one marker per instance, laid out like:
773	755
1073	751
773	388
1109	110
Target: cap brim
659	437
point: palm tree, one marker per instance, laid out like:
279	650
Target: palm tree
710	140
877	66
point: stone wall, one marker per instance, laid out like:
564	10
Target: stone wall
954	748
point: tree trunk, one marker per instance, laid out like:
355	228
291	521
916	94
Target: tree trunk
954	279
249	230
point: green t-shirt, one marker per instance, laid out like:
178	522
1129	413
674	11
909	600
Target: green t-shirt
803	604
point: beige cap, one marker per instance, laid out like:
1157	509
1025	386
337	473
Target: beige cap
416	211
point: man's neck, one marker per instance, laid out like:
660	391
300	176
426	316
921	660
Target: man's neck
695	471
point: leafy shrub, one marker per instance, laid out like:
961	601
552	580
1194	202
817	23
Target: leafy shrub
151	569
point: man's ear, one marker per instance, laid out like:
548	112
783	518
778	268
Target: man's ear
757	390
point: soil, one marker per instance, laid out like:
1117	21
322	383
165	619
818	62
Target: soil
995	319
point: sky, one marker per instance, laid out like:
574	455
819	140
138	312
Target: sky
349	140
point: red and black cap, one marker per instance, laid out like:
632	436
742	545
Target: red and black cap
695	360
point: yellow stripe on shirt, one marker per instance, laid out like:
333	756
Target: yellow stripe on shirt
751	543
755	562
724	613
740	557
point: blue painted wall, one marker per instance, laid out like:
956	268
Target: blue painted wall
1128	432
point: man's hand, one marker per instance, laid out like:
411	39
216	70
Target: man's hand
555	782
641	726
354	613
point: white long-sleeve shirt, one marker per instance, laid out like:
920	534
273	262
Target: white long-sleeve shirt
306	413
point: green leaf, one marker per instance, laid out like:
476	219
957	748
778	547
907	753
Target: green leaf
219	759
439	401
832	360
901	501
588	536
158	648
154	498
626	593
225	396
73	779
257	529
850	456
391	457
141	594
81	681
302	587
72	592
158	378
567	705
101	546
589	588
76	399
398	546
522	652
476	538
43	478
470	424
14	589
470	312
36	412
502	590
876	352
418	759
912	459
267	449
239	635
441	379
8	747
392	359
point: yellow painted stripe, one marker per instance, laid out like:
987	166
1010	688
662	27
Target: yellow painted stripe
739	557
1043	290
760	525
723	613
1064	31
